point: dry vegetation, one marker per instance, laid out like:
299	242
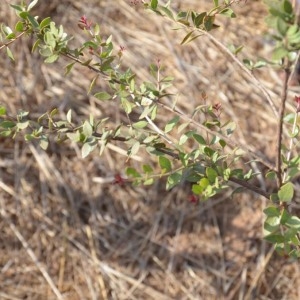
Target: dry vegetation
65	235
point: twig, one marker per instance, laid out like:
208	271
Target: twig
287	73
226	139
250	187
256	82
289	152
12	40
107	77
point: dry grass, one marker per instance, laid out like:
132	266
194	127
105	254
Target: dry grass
65	235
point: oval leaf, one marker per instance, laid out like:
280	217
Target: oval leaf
286	192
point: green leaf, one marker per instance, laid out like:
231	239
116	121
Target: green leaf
6	133
153	4
222	143
51	59
259	64
211	175
2	110
274	238
183	139
248	63
134	148
23	14
272	211
209	23
69	67
168	12
287	7
271	175
199	19
44	143
131	172
293	222
87	148
127	105
186	38
103	96
291	235
69	115
19	26
228	12
286	192
149	181
272	224
9	54
197	189
183	126
154	112
198	138
147	169
165	164
149	139
236	50
140	124
171	124
7	124
17	8
35	45
279	53
22	125
32	4
45	22
209	151
87	129
33	21
204	182
282	26
174	179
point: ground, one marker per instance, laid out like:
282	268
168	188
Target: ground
68	232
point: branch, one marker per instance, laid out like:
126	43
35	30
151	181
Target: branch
250	187
12	40
287	73
253	154
243	67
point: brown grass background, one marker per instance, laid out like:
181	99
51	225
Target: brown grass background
68	233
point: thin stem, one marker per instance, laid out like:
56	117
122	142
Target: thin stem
13	40
287	74
253	154
107	77
250	187
288	155
255	81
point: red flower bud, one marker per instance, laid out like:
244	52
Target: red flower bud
217	106
83	23
193	198
297	100
119	180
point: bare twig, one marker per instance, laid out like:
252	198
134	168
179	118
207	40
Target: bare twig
12	40
255	81
262	160
287	73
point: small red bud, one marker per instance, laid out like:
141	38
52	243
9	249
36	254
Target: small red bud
119	180
83	23
217	106
193	198
297	100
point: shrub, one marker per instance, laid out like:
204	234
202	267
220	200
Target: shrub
202	153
